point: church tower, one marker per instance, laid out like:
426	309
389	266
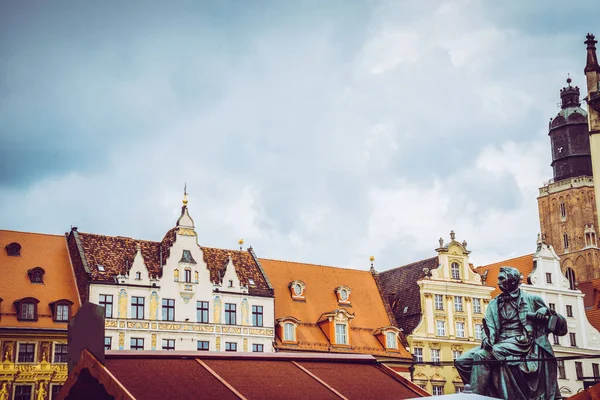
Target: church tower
592	74
566	204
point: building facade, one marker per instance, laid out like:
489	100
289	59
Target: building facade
39	296
334	310
566	204
439	303
592	75
545	278
175	294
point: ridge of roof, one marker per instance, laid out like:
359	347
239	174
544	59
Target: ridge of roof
409	265
504	261
32	233
314	265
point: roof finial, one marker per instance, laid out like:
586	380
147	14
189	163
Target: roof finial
569	79
372	259
185	200
241	242
452	235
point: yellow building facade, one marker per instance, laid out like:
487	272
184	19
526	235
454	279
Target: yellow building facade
447	321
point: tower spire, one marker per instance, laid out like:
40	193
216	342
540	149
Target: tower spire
185	199
592	59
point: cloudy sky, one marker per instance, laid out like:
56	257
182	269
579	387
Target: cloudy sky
318	131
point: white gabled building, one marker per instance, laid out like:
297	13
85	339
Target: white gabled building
175	294
544	277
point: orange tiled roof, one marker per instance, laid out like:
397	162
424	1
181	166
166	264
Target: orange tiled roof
37	250
522	263
366	304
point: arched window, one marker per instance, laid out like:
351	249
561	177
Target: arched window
36	275
26	309
455	270
13	249
563	210
392	342
565	241
289	332
570	274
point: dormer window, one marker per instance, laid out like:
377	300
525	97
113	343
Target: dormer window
455	270
251	282
61	310
36	275
335	325
100	267
13	249
286	329
297	290
26	309
341	333
391	340
343	294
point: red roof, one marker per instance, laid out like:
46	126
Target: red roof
212	375
593	312
523	263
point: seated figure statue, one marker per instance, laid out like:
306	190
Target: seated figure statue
515	359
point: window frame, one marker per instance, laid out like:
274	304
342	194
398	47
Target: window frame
477	309
455	271
168	309
456	354
573	339
231	346
187	275
108	346
22	354
137	345
418	354
18	396
562	372
569	309
440	326
201	310
19	306
289	332
549	277
62	354
343	335
168	344
230	314
200	345
436	355
257	316
458	304
478	334
438	305
462	330
579	370
437	390
137	307
258	348
108	306
391	340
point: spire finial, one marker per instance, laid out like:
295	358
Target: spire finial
452	234
569	79
241	242
372	260
185	193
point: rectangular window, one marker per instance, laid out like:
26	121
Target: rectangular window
62	312
26	352
552	306
288	332
23	392
579	370
258	348
548	277
390	338
573	339
459	389
477	306
418	353
569	311
460	329
230	317
561	369
168	309
455	269
136	344
556	339
168	344
137	307
202	345
478	331
202	311
107	342
456	354
441	327
27	311
187	273
458	303
106	301
435	355
596	370
341	336
438	390
230	346
54	391
257	316
61	353
439	302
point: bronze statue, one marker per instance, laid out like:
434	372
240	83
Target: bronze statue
515	359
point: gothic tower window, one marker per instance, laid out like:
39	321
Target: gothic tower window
565	241
570	274
563	211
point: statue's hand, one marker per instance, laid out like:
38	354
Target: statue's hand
541	314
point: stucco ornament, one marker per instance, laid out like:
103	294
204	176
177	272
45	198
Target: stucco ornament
515	359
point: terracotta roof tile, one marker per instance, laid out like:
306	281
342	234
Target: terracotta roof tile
522	263
321	281
400	285
37	250
116	254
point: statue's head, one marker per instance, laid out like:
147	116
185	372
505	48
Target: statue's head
509	279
